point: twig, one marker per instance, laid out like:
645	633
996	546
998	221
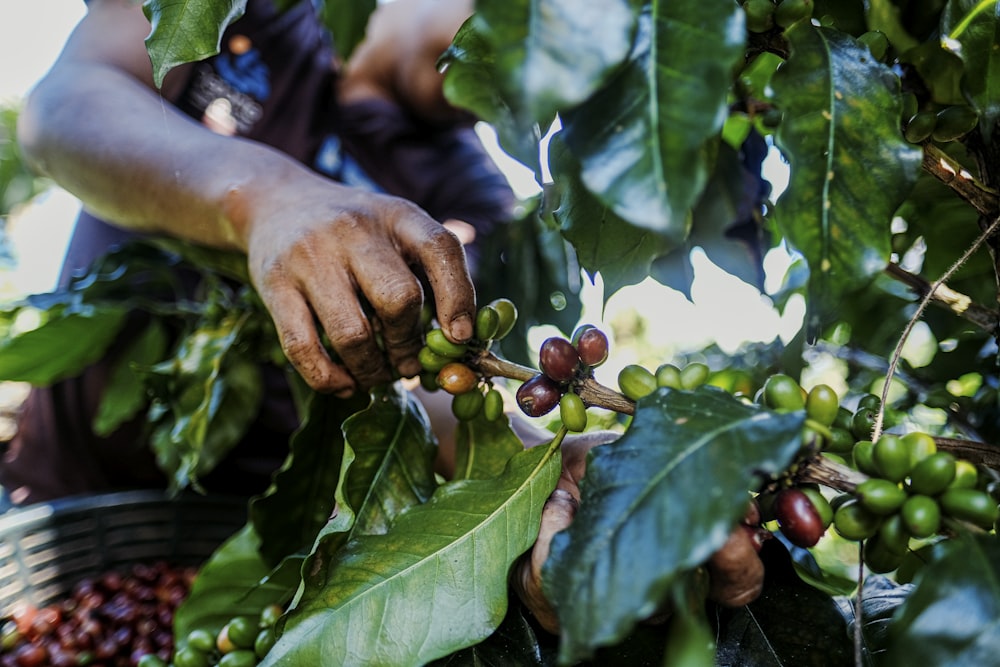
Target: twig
897	353
940	165
971	450
985	318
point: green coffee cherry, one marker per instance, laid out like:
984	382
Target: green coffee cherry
431	360
148	660
934	474
841	441
573	412
966	475
862	457
493	405
879	558
976	507
893	534
843	419
920	126
441	346
636	381
921	515
467	406
880	496
189	657
694	375
862	423
919	445
954	122
428	380
877	43
853	522
869	402
239	658
822	404
487	323
891	457
760	15
508	316
792	11
782	392
201	640
265	641
668	375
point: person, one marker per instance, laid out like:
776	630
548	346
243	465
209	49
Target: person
350	187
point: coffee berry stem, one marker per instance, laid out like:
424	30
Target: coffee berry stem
819	469
590	390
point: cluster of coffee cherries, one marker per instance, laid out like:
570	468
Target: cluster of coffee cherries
115	619
242	642
564	365
444	364
911	491
637	381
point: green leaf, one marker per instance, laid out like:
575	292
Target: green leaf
483	448
67	341
604	242
547	59
971	30
185	31
641	139
435	583
125	394
952	617
515	643
300	499
235	581
347	21
656	503
850	166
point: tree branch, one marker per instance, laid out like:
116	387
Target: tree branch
940	165
985	318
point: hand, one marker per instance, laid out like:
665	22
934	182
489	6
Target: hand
329	258
736	572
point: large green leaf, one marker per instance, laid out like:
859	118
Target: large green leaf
483	447
657	503
124	394
971	29
300	499
67	341
435	583
186	31
547	59
604	242
850	166
952	617
641	139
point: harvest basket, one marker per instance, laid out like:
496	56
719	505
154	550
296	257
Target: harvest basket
45	549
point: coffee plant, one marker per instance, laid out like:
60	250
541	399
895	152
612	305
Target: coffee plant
748	512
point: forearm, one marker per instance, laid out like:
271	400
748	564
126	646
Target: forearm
137	162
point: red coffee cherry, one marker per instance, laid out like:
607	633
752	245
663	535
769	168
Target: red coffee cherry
558	359
798	518
538	396
592	345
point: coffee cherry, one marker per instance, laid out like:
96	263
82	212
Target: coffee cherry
877	43
880	496
853	522
694	375
782	392
966	475
879	558
493	405
201	640
870	402
891	458
239	658
921	515
487	323
538	396
573	412
558	359
862	423
953	122
976	507
799	520
894	535
440	345
933	475
457	378
759	15
919	445
841	441
861	454
431	360
792	11
467	406
668	375
821	505
264	642
636	381
822	404
592	345
508	316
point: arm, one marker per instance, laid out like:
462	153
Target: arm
314	248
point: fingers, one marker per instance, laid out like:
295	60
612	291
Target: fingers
442	257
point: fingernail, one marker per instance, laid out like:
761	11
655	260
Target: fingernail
461	328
